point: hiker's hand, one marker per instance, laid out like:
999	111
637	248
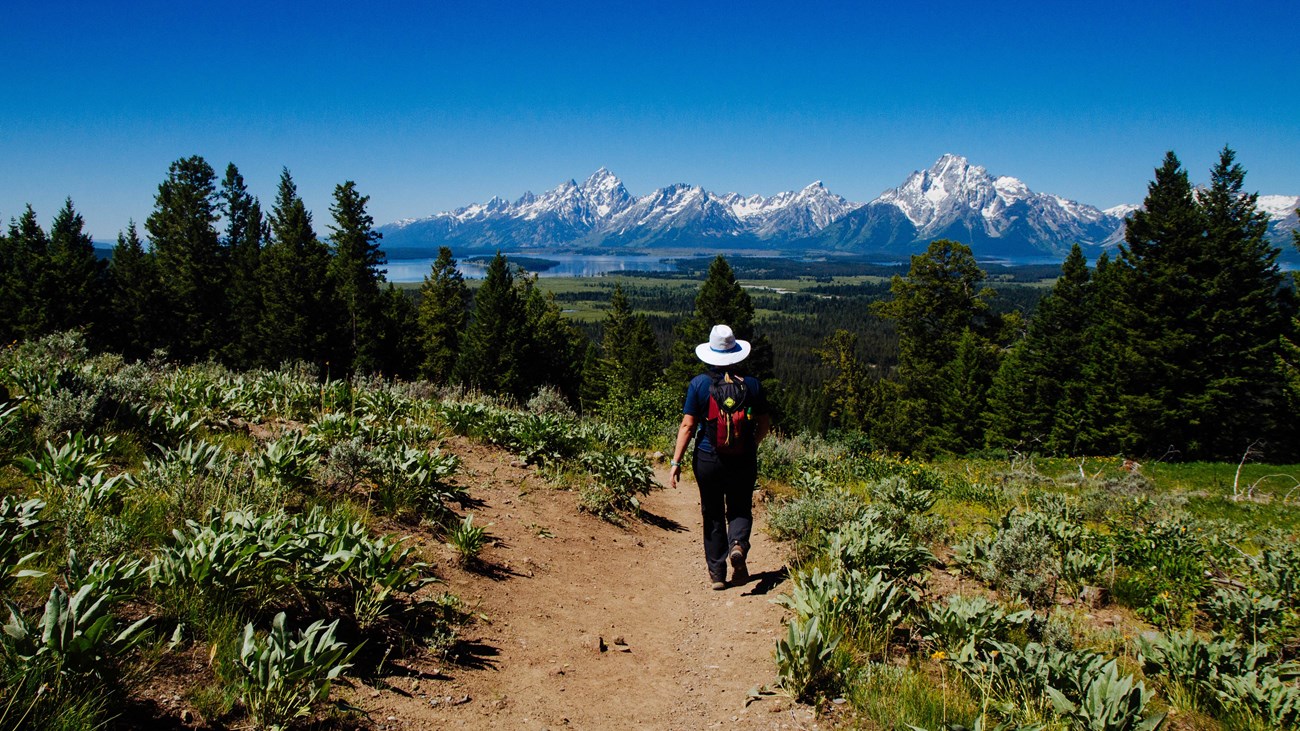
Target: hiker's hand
674	475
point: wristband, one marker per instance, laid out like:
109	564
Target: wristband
674	463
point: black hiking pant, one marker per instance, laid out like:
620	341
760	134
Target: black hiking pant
726	503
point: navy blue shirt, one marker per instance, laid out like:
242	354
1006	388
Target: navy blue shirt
697	405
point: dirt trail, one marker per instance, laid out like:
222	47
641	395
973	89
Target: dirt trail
591	626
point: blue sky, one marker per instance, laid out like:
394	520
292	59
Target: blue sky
432	105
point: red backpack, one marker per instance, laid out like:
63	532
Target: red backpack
732	419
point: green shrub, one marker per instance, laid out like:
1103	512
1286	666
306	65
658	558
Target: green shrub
1249	614
417	480
850	604
617	481
282	678
813	513
1223	676
19	526
76	635
468	540
807	663
950	624
1165	562
869	547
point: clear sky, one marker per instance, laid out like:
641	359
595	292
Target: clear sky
432	105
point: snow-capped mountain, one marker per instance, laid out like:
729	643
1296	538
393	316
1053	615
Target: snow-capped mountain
994	215
601	213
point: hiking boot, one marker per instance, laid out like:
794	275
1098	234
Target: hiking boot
739	571
717	584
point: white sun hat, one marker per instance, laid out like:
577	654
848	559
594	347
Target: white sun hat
723	349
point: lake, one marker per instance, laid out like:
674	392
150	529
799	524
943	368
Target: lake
567	265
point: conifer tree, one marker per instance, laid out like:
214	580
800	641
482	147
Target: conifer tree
134	301
76	276
27	289
552	343
1246	312
245	235
848	393
298	310
1038	394
962	398
1107	358
397	346
631	363
354	271
493	355
721	301
1160	259
191	265
442	315
935	307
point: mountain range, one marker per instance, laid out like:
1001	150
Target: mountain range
998	216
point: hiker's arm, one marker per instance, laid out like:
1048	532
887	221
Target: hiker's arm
684	433
762	428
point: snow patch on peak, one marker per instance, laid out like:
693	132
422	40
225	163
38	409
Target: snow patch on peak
1278	206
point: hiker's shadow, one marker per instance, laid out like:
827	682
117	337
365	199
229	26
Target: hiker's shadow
766	581
662	522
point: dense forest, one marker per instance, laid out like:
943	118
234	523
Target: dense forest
1180	345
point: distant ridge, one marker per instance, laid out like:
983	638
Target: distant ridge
998	216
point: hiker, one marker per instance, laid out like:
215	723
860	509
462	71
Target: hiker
727	414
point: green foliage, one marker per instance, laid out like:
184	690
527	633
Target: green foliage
950	624
1224	676
442	315
19	526
812	513
1110	702
190	262
1249	614
417	479
355	276
468	540
283	677
806	660
1166	562
1084	687
869	546
76	635
298	311
617	480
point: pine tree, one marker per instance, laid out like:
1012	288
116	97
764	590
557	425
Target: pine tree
938	305
848	392
553	344
1242	394
25	296
1039	393
134	302
1161	258
721	301
493	355
76	276
962	399
245	234
191	265
1107	359
397	347
298	311
630	361
354	271
442	315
